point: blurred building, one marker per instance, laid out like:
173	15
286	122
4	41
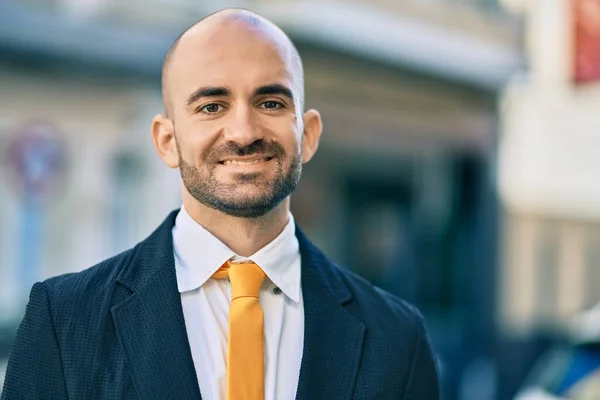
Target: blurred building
402	189
548	175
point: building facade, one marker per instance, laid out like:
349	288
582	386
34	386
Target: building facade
402	189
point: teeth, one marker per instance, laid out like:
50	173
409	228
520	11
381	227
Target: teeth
235	162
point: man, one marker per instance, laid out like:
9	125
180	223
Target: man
227	299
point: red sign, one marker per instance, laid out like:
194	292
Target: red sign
586	14
36	156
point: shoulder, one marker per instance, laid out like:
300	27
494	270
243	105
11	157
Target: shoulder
396	340
375	306
370	304
77	289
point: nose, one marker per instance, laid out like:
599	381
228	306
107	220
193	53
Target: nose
242	127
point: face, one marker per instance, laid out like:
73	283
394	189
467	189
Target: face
236	123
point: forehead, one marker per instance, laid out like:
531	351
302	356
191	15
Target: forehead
233	55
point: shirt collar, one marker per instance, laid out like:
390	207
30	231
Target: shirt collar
198	255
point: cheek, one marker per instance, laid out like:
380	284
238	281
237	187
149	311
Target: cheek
286	131
292	144
195	142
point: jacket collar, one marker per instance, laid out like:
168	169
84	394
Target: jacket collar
333	338
151	326
150	323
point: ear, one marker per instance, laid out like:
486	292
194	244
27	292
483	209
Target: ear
163	136
313	127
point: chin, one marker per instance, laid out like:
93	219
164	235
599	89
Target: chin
248	179
250	194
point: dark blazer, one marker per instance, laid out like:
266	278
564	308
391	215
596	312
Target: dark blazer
116	331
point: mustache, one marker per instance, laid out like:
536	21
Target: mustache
258	147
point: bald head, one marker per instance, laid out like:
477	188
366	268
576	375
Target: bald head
213	36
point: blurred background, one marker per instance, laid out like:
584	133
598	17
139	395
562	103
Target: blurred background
459	166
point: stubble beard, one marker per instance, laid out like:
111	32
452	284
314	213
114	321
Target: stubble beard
204	186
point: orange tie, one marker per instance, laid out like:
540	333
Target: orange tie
245	362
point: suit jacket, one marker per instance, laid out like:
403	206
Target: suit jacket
116	331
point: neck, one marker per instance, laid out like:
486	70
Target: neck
244	236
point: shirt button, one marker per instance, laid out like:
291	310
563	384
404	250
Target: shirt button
277	290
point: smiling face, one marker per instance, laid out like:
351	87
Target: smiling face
235	126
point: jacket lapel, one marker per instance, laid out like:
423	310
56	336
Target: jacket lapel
151	327
150	322
333	339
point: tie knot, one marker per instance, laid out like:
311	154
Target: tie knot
246	278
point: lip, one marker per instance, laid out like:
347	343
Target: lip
246	160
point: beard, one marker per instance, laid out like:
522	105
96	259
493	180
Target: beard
204	186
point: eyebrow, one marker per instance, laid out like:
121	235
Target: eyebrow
208	91
275	88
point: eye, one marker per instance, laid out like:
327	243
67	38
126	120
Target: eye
271	105
211	108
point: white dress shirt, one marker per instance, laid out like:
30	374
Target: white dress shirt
205	302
